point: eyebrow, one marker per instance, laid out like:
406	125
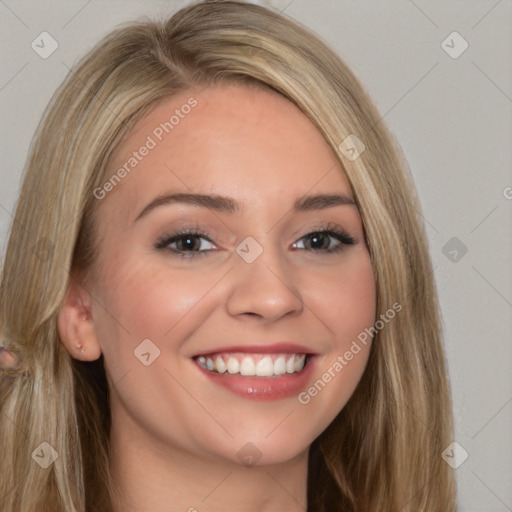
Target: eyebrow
227	205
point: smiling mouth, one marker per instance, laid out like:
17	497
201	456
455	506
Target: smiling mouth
254	365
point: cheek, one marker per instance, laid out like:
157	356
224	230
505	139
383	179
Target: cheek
346	304
142	302
345	299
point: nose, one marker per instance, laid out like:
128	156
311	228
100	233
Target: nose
265	288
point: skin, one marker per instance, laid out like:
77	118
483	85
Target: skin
175	435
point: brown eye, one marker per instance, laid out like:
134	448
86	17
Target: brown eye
187	244
321	241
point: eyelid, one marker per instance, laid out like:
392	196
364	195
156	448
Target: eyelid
329	226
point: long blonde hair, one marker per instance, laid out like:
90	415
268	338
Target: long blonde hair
383	450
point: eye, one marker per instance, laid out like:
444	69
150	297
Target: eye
321	241
188	243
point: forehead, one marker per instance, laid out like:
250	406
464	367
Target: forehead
249	143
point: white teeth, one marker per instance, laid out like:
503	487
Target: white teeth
300	361
266	365
220	364
280	365
247	367
233	365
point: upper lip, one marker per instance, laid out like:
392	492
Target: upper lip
274	348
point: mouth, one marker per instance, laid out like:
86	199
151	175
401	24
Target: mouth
261	372
254	364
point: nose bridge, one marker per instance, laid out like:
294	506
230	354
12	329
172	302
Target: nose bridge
263	281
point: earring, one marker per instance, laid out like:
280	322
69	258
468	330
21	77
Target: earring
80	347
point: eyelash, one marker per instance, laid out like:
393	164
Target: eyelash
162	244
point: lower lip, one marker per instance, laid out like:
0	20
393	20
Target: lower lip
263	388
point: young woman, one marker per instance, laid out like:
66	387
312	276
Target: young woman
217	293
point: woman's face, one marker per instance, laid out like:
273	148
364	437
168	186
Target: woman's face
253	284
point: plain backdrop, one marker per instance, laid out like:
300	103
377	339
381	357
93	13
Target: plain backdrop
451	111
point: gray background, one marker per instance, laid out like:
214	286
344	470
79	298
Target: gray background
452	117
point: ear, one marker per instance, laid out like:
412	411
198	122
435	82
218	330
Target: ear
75	323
